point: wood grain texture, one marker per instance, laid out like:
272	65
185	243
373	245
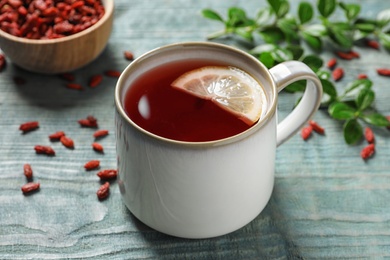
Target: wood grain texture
327	202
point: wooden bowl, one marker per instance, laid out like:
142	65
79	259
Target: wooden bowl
51	56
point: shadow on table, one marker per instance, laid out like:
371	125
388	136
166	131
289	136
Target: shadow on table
266	237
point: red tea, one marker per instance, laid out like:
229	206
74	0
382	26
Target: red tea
153	104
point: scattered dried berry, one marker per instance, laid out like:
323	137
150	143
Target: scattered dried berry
95	80
128	55
28	172
103	191
90	121
41	149
345	55
97	147
369	135
306	132
100	133
383	72
372	44
56	135
112	73
332	63
362	76
75	86
316	127
108	174
67	142
3	62
338	74
367	151
91	165
68	77
29	126
30	187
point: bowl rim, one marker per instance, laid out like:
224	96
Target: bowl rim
108	11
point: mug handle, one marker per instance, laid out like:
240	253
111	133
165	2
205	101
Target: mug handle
286	73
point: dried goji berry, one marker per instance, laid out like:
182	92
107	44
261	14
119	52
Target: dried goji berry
100	133
345	55
367	151
383	72
28	172
3	62
97	147
332	63
29	126
95	80
107	174
103	191
30	187
68	76
362	76
112	73
41	149
75	86
372	44
354	54
67	142
128	55
337	74
316	127
56	135
90	121
93	164
306	132
369	135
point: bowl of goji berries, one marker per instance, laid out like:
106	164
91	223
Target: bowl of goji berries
54	36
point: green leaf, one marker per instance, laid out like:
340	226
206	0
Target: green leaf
305	12
272	35
353	131
351	10
341	34
329	89
341	111
365	98
281	54
264	16
383	18
297	86
296	50
212	15
353	88
365	27
326	7
384	39
313	41
262	48
267	59
323	74
244	32
316	30
289	27
280	7
313	61
375	119
237	18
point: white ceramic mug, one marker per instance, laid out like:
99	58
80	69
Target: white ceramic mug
206	189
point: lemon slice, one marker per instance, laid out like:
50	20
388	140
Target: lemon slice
230	88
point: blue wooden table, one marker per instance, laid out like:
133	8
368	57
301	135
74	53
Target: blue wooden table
327	202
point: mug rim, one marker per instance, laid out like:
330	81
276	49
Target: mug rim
271	110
